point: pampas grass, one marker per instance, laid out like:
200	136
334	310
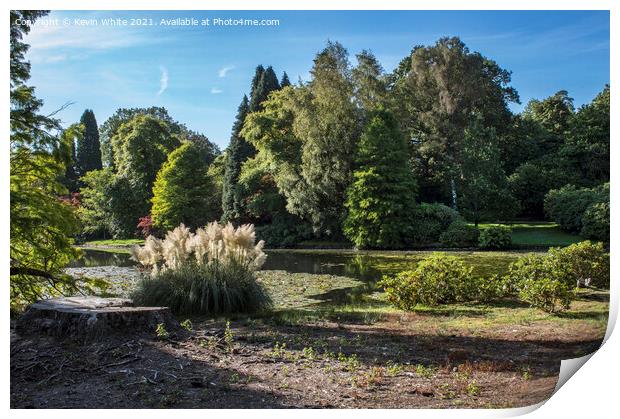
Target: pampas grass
207	272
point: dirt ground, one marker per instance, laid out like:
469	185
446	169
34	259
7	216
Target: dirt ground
395	362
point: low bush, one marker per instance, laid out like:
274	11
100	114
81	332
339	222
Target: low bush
438	279
460	234
209	272
429	221
542	281
585	263
495	237
567	205
595	222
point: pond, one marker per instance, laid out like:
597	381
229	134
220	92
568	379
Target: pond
368	266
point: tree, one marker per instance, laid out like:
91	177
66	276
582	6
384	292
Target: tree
309	134
284	81
587	144
370	88
381	198
95	211
183	191
71	177
88	152
266	82
443	87
140	147
41	224
123	115
483	182
553	113
238	151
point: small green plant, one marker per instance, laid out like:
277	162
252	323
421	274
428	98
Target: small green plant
161	331
495	237
279	350
473	389
351	362
526	373
309	353
393	368
229	338
187	325
424	371
234	378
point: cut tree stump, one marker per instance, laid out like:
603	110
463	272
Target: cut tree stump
86	318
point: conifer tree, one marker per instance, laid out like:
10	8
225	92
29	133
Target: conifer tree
284	82
88	150
381	199
267	83
238	151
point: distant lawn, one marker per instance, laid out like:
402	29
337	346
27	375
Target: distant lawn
114	242
539	233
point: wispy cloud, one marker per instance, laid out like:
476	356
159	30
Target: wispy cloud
216	90
224	70
163	81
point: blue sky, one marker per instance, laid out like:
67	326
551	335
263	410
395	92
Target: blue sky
201	73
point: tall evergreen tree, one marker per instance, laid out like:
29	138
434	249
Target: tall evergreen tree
381	199
284	82
267	83
88	151
238	151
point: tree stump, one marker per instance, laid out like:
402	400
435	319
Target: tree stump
87	318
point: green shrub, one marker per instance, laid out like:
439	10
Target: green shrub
595	222
214	288
567	205
586	263
284	231
460	234
429	221
495	237
438	279
542	281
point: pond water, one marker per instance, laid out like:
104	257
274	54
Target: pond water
368	266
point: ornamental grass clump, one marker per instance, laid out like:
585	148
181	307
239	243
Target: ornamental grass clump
211	271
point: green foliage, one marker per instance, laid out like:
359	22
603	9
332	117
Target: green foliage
284	230
88	151
595	222
41	224
215	288
567	205
382	196
554	115
495	237
586	263
460	234
532	180
239	150
95	212
483	184
438	279
183	191
161	331
430	220
543	282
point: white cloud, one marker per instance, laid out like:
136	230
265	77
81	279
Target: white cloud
216	90
163	81
224	70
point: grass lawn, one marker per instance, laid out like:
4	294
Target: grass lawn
114	242
539	233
